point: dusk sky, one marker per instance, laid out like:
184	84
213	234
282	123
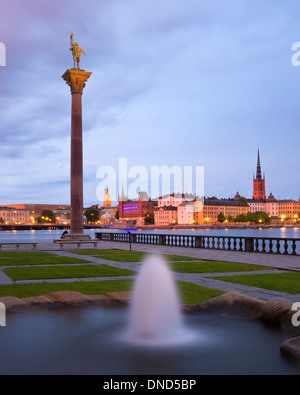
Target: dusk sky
186	83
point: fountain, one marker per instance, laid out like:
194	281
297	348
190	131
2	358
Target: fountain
155	316
154	336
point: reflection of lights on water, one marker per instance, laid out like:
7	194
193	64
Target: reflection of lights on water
282	228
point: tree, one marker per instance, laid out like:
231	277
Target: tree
149	218
242	199
221	217
92	215
1	220
117	215
47	216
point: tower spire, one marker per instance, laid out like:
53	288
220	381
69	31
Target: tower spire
259	191
258	168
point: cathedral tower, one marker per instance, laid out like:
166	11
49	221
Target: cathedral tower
259	190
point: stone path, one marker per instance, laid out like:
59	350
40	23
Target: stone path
282	263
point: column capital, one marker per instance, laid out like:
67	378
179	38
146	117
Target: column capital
76	79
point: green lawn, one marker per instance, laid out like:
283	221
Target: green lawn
128	256
189	293
59	272
85	287
193	293
214	267
39	260
282	282
24	253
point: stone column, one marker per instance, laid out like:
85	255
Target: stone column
76	79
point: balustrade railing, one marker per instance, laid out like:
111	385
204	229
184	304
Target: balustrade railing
266	245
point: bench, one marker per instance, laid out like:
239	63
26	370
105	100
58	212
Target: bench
77	242
18	244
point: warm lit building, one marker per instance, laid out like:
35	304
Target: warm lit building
107	219
271	206
288	208
137	209
229	207
185	213
175	199
166	215
12	216
256	205
35	210
106	199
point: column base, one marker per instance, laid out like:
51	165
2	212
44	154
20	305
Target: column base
77	237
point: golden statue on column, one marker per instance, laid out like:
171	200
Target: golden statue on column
76	51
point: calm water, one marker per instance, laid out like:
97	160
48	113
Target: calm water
49	235
89	340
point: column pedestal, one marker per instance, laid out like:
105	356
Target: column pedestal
76	79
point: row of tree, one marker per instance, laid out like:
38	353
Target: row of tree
259	217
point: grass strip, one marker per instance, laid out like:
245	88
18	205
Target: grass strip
281	282
86	288
193	293
63	272
128	256
24	254
214	267
40	260
189	293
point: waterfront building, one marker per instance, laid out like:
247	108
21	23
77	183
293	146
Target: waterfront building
107	218
271	206
256	205
35	210
288	208
136	209
185	213
166	215
229	207
12	216
175	199
106	198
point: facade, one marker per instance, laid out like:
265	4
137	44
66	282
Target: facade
271	206
185	213
11	216
259	187
229	207
175	199
107	218
35	210
166	215
136	210
288	208
106	199
256	205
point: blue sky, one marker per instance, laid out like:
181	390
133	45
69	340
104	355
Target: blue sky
187	83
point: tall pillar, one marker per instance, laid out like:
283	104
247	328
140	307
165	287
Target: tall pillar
76	79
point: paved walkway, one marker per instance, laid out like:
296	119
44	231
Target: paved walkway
283	263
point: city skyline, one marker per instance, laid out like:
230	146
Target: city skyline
204	85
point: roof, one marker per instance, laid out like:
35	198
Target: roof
167	208
224	202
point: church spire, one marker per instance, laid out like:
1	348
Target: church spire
258	168
259	191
